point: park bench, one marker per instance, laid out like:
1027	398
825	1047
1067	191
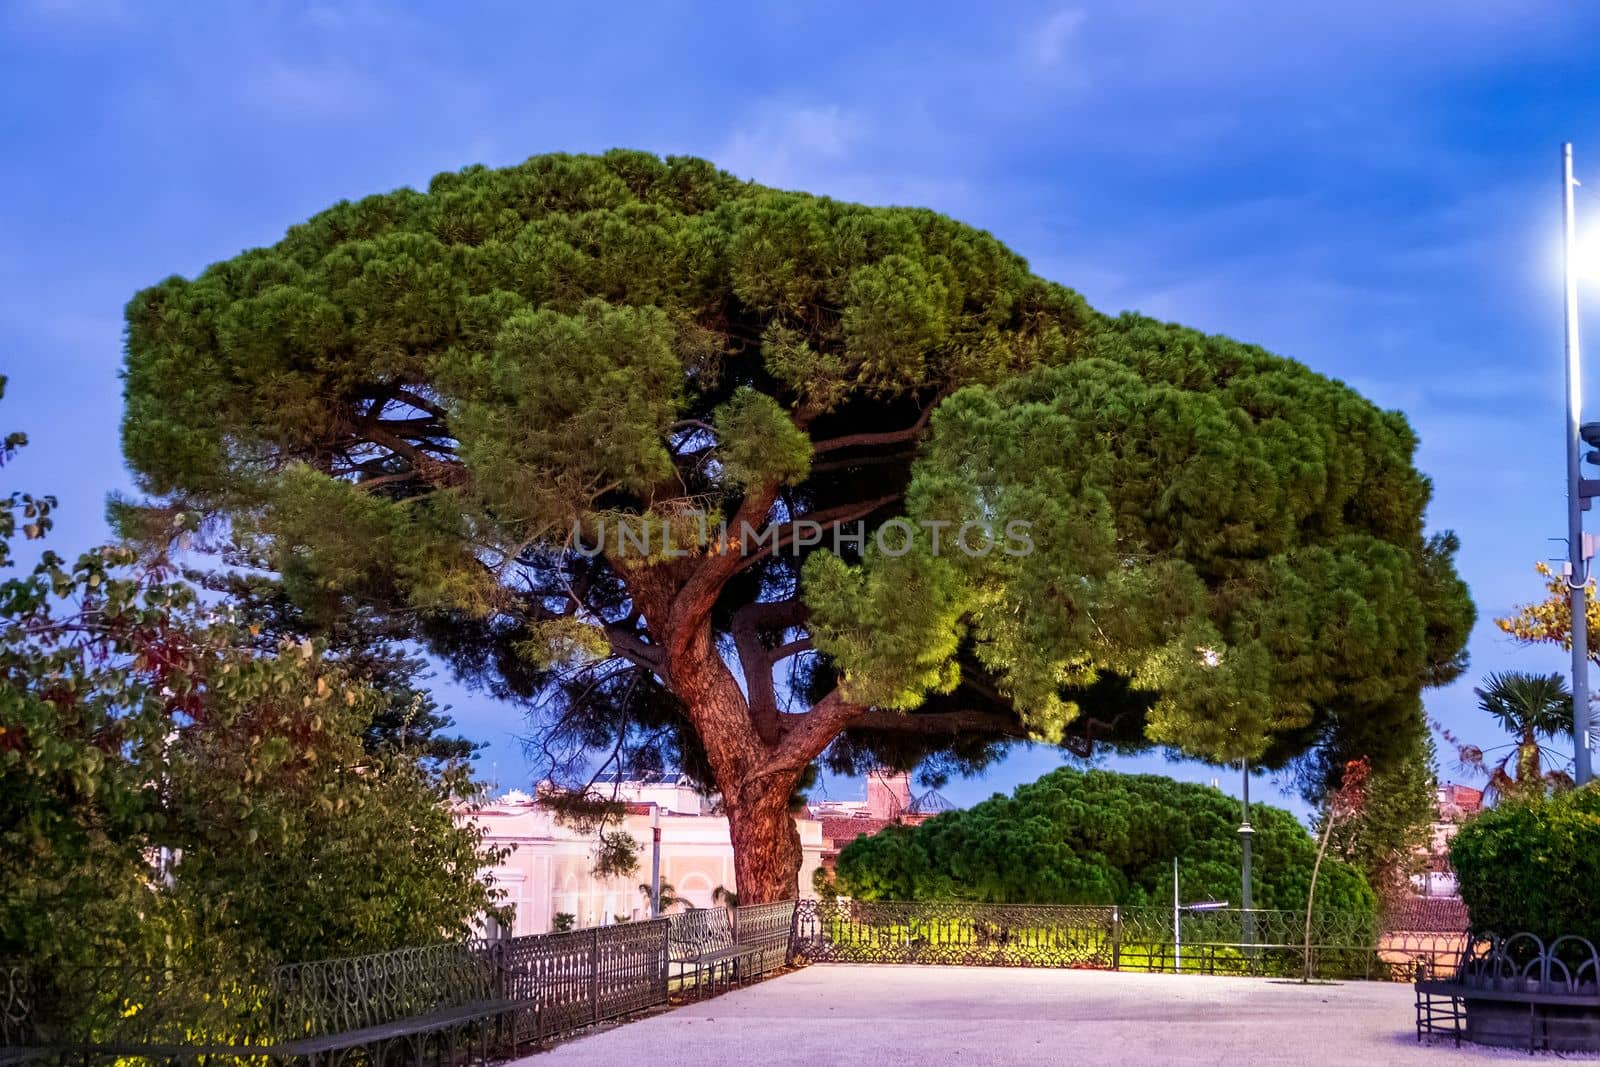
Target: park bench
1505	991
730	945
448	997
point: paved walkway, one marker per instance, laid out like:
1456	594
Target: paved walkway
895	1016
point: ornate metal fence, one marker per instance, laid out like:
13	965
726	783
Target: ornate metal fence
999	935
1270	942
579	978
1517	991
531	988
1224	941
340	995
768	928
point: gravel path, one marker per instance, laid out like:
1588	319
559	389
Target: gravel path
896	1016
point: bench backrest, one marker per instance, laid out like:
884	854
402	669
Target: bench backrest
765	924
700	930
710	929
334	996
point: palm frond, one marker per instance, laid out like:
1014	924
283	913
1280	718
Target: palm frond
1521	702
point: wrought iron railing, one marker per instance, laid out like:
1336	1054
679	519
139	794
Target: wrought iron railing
1002	935
1524	963
339	995
575	979
540	987
1221	941
1517	991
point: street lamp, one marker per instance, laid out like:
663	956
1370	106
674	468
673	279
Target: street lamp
1210	659
1579	489
1246	832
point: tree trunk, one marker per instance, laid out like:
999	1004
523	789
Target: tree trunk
1311	895
754	784
755	767
766	844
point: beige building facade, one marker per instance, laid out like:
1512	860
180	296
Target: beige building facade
548	871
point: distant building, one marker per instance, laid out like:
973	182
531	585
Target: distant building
889	802
549	869
1453	805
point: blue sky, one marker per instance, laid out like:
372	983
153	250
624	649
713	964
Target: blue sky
1369	188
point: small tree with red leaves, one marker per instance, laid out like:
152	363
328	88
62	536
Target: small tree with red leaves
1344	804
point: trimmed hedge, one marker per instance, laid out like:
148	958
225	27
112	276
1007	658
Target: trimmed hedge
1533	865
1098	837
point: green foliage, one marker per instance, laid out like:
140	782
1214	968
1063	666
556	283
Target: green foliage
372	651
563	921
33	510
412	402
1185	493
1094	837
616	855
1532	708
291	831
759	442
669	898
174	796
1385	838
1532	864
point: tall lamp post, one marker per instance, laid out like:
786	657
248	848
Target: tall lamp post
1579	489
1246	832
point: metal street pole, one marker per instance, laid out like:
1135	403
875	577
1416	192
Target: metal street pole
1177	923
1246	832
655	861
1577	578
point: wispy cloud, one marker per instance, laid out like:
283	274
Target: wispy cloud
1047	45
784	145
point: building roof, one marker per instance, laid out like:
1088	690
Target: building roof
1459	800
843	829
1443	915
932	802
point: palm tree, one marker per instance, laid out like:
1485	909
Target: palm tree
669	897
1528	707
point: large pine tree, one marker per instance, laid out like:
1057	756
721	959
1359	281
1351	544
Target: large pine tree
437	406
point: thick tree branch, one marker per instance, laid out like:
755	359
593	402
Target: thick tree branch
785	535
756	660
791	648
807	734
691	607
972	720
431	468
631	647
875	440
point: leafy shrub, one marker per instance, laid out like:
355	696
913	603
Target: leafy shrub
1097	837
1534	865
